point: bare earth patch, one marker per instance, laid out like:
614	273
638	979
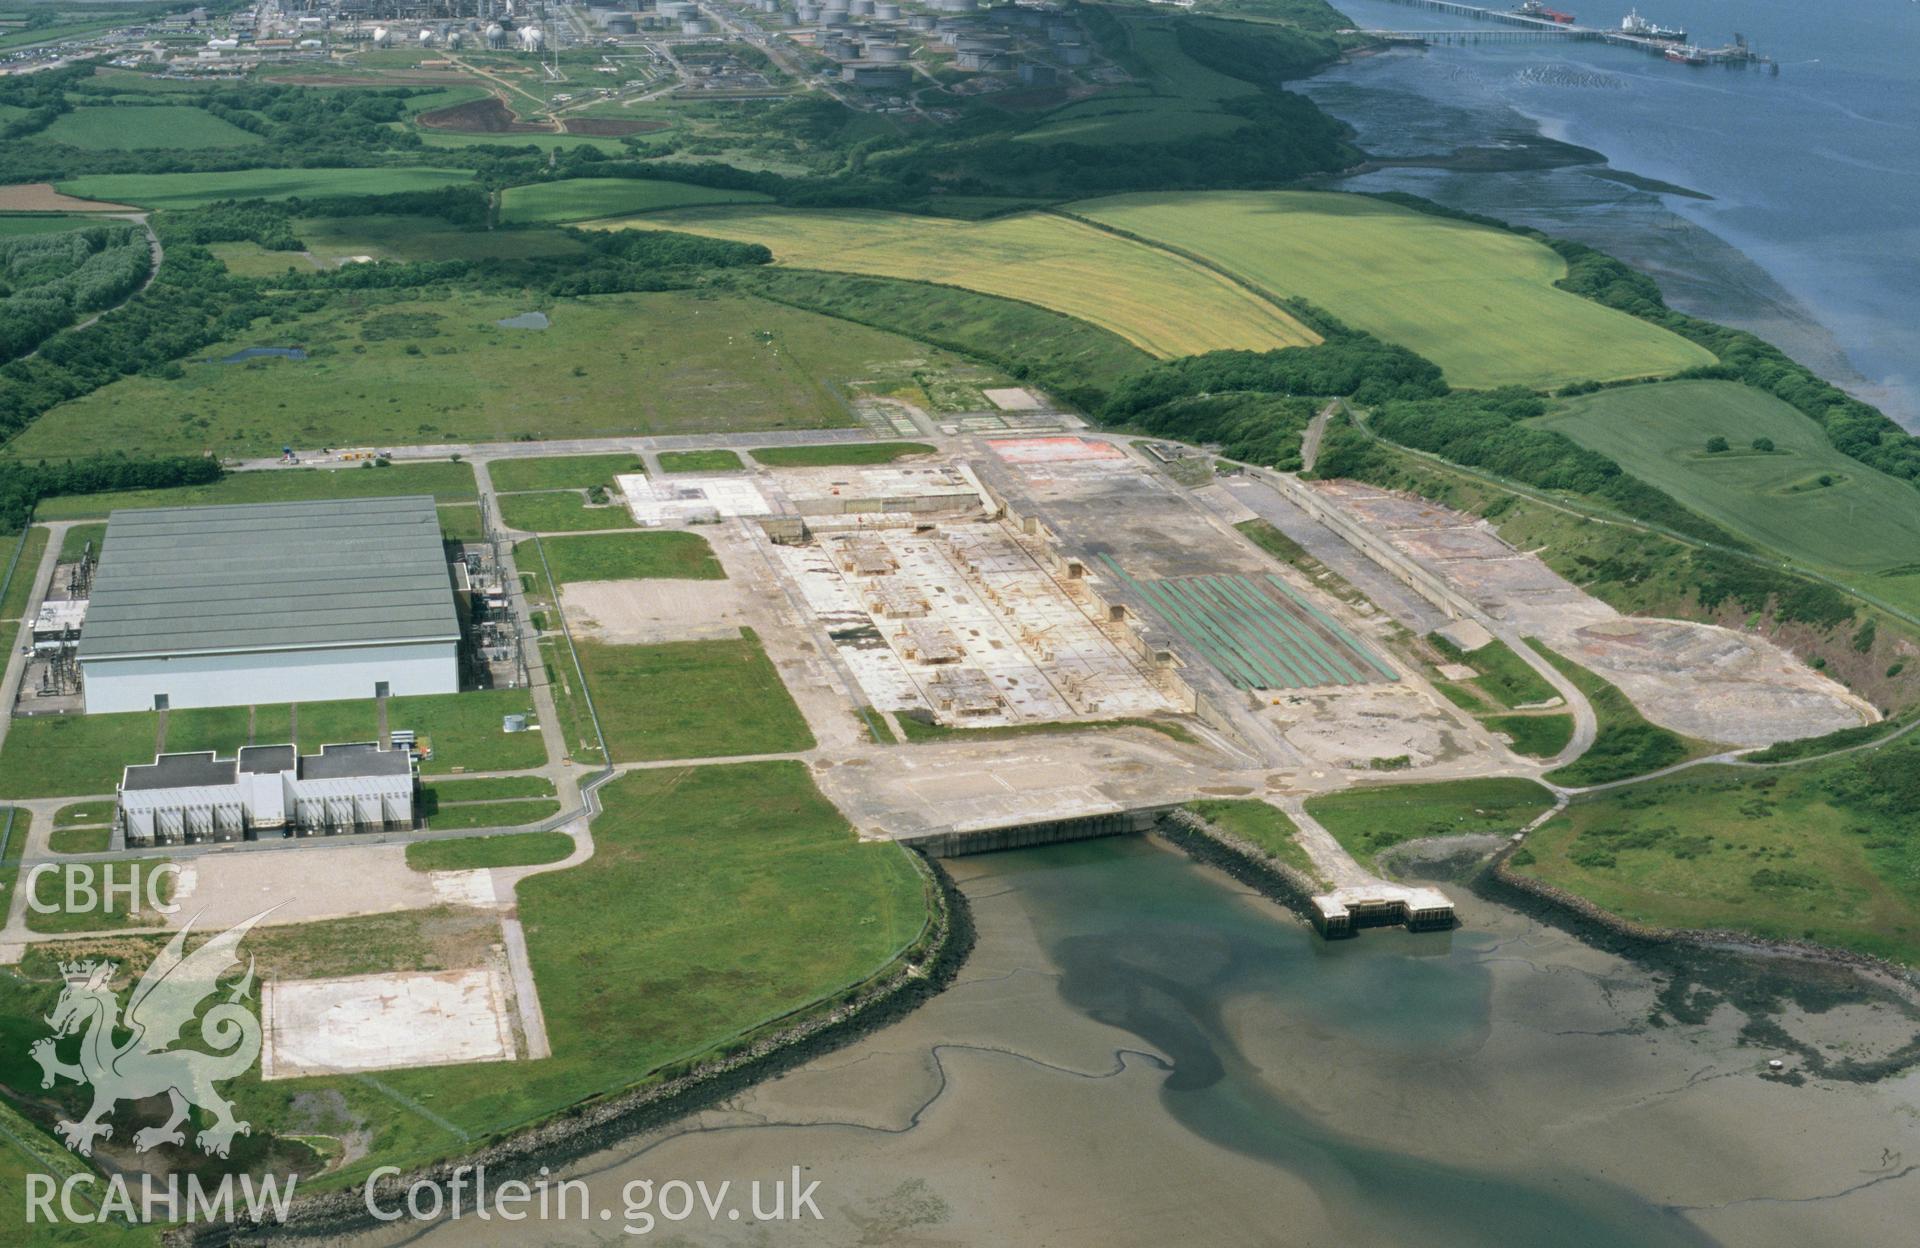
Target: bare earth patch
41	197
641	613
1699	679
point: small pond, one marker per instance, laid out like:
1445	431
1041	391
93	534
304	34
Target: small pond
526	320
255	353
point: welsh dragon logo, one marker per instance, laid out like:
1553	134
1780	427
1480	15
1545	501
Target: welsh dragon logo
165	1000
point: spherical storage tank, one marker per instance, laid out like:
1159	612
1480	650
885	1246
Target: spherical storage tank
426	38
532	38
495	35
382	37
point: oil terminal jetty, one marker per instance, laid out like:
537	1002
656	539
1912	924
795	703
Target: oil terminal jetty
1536	22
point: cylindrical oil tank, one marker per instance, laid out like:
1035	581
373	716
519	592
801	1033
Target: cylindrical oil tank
887	53
883	12
860	8
921	21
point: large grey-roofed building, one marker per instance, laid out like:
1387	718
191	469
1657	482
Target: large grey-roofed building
270	602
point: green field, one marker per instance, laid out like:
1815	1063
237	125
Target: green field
1624	743
1823	852
692	699
79	538
1263	826
253	260
80	840
492	815
446	482
486	788
1159	302
1862	524
82	755
674	554
440	369
1051	345
582	199
513	849
699	461
190	190
145	128
742	896
1478	302
834	455
52	913
1536	736
461	524
24	552
1174	97
83	814
576	725
561	511
335	239
1370	821
1504	677
562	472
39	223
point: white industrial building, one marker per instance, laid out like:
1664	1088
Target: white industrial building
269	789
272	602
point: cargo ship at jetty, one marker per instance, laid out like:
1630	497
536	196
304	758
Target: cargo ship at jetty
1686	54
1534	8
1634	24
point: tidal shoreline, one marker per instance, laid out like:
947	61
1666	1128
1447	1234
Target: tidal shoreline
918	976
1474	127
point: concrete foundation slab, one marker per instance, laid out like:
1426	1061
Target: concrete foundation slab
384	1022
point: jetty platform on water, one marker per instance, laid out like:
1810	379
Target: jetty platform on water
1516	27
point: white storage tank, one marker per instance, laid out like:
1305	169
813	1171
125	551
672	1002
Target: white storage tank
532	38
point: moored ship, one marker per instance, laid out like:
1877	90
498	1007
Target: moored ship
1534	8
1686	54
1634	24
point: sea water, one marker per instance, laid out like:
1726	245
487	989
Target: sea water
1140	1052
1811	234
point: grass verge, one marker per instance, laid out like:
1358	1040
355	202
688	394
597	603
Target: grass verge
830	456
692	699
1372	820
515	849
699	461
1824	852
1263	826
673	554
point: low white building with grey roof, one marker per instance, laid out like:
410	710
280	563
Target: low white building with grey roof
266	790
270	602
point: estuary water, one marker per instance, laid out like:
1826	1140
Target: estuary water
1810	234
1140	1052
